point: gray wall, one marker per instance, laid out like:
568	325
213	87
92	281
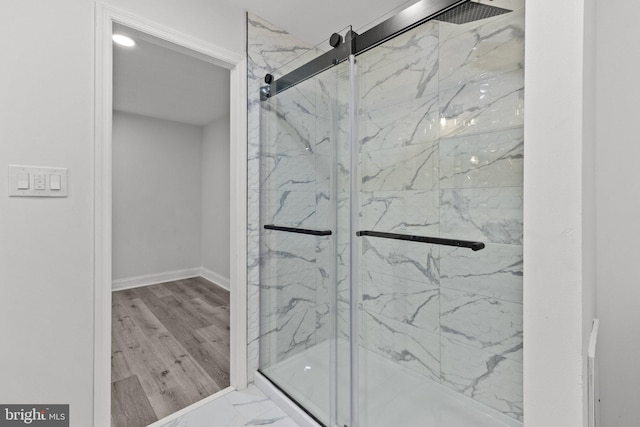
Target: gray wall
157	195
215	197
618	211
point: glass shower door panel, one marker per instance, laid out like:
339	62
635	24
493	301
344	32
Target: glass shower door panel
440	155
298	243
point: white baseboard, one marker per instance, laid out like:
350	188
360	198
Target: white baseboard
152	279
216	278
168	276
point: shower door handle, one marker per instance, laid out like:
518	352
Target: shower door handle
474	246
298	230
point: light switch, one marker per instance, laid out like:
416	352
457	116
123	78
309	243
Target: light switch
23	181
54	182
39	182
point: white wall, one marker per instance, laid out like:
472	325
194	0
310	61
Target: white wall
157	195
618	211
46	249
215	197
558	295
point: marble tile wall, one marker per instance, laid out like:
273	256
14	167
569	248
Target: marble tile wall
289	172
286	186
441	154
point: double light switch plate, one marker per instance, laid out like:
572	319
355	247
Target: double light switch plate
35	181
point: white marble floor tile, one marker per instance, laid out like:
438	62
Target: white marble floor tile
249	407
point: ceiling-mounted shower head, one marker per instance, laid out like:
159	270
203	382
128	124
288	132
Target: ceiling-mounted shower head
469	12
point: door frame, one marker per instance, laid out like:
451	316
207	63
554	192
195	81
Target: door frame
105	16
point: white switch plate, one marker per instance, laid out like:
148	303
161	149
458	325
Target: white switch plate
39	181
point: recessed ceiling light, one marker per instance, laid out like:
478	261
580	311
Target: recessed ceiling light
123	40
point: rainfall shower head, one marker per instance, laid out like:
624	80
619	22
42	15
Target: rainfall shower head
469	12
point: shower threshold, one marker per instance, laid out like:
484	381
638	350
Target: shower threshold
391	394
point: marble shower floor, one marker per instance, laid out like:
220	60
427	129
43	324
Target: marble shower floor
390	395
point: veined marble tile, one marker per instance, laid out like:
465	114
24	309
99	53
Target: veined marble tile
448	30
290	171
325	275
414	167
415	42
279	296
496	271
486	323
491	215
483	106
220	410
289	208
286	253
404	344
325	135
492	48
285	129
323	170
403	259
488	378
402	69
484	160
274	418
251	402
269	48
409	211
413	122
406	301
287	316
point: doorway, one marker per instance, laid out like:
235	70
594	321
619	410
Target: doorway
170	228
156	212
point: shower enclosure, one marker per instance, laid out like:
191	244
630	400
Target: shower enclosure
391	221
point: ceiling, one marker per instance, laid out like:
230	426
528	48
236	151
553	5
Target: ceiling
158	79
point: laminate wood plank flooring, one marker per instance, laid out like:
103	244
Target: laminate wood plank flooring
170	348
130	406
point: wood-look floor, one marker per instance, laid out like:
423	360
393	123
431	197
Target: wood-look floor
170	348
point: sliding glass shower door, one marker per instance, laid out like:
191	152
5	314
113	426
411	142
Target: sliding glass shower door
304	288
391	224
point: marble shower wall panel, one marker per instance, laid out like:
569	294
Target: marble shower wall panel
483	106
287	253
268	49
494	47
486	377
448	31
405	260
290	326
496	325
413	122
407	211
403	68
495	272
486	160
411	347
492	215
446	160
412	167
413	303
